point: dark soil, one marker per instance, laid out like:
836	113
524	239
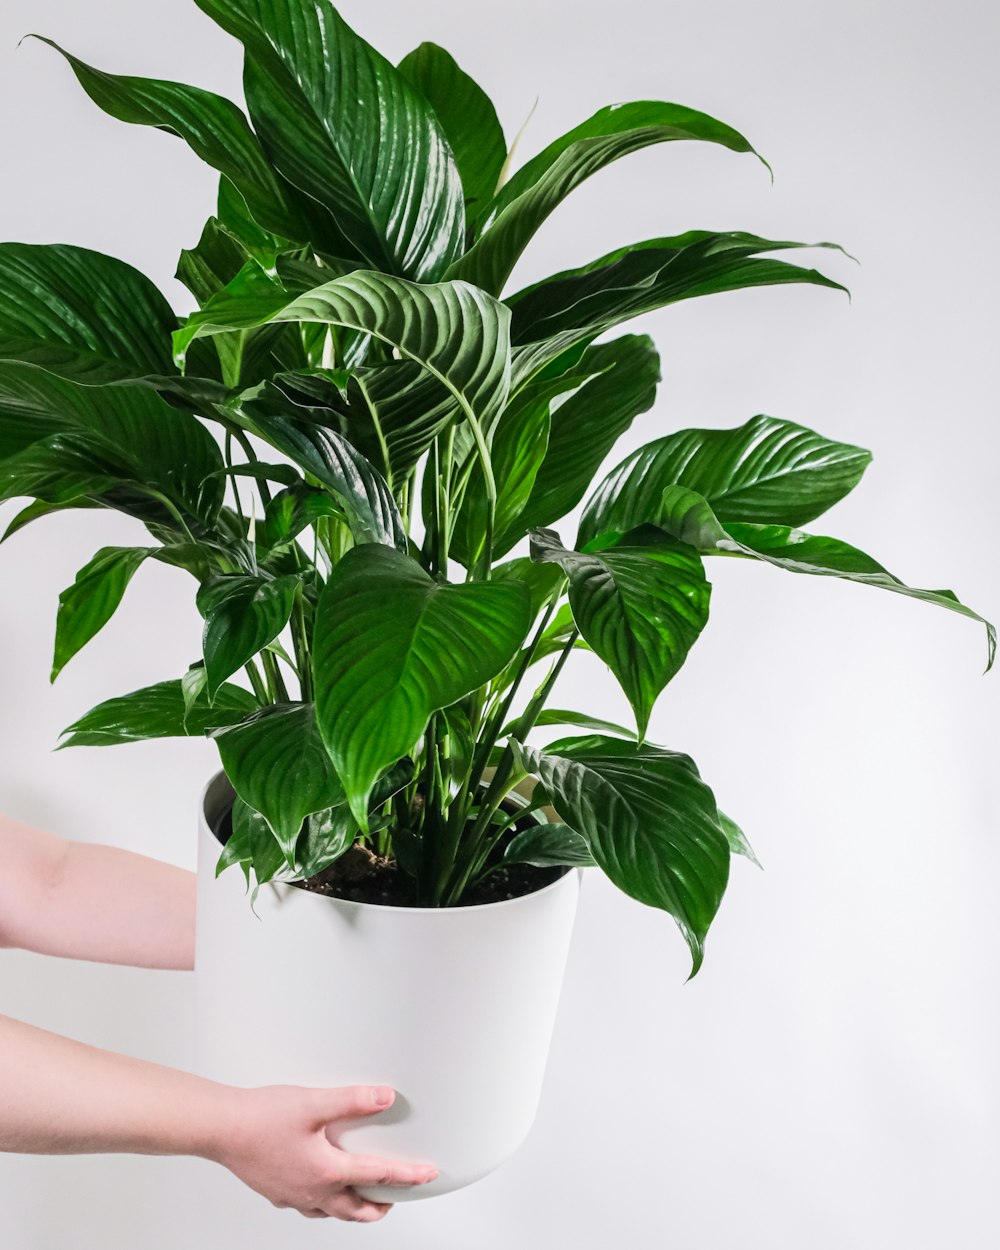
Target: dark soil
363	877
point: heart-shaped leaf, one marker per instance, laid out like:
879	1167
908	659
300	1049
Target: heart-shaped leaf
640	607
650	821
242	615
768	471
391	647
278	765
158	712
347	128
538	187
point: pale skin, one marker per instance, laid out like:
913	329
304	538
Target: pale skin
59	1096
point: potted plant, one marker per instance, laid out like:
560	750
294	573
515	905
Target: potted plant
364	449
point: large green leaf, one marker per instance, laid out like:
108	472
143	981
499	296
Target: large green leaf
214	128
651	823
158	712
58	471
363	493
392	646
689	517
524	203
87	606
768	471
81	314
581	303
457	333
242	615
468	118
343	125
640	606
278	766
138	435
617	382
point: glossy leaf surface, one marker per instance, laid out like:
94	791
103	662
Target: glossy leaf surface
157	712
87	606
392	646
549	846
242	615
651	823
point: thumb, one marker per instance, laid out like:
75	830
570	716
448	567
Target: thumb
352	1100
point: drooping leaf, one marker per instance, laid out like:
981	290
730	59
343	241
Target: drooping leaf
650	821
278	765
549	845
87	606
35	511
253	846
639	606
579	720
214	128
137	435
457	333
242	615
690	518
58	472
737	839
579	304
768	471
523	204
81	314
467	117
157	712
343	125
391	647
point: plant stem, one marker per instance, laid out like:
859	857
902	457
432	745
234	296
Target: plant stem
259	689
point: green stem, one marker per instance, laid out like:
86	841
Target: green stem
276	683
259	689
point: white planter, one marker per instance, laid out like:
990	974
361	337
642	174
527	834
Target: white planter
454	1008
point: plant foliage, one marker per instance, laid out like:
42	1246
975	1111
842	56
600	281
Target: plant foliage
349	436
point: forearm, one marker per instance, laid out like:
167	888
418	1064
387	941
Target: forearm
115	907
62	1097
93	902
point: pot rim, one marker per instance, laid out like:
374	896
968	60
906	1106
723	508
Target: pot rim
560	881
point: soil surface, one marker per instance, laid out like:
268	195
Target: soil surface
363	877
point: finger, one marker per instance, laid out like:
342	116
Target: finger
368	1170
315	1214
352	1100
358	1210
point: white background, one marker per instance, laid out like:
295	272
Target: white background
830	1079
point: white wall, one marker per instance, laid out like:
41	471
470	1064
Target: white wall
830	1079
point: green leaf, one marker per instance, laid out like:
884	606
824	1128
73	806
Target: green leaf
212	126
129	429
467	117
651	823
278	765
211	264
391	413
640	607
252	845
391	647
343	125
87	606
371	511
581	303
157	712
454	331
767	470
242	615
290	512
737	839
58	472
81	314
35	511
524	203
542	581
617	382
689	517
560	716
549	846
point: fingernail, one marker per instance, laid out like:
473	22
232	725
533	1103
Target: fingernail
429	1176
382	1096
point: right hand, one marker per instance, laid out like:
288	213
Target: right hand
275	1141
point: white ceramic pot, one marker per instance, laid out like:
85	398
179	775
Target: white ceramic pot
454	1008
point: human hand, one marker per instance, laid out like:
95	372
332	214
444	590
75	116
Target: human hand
274	1139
